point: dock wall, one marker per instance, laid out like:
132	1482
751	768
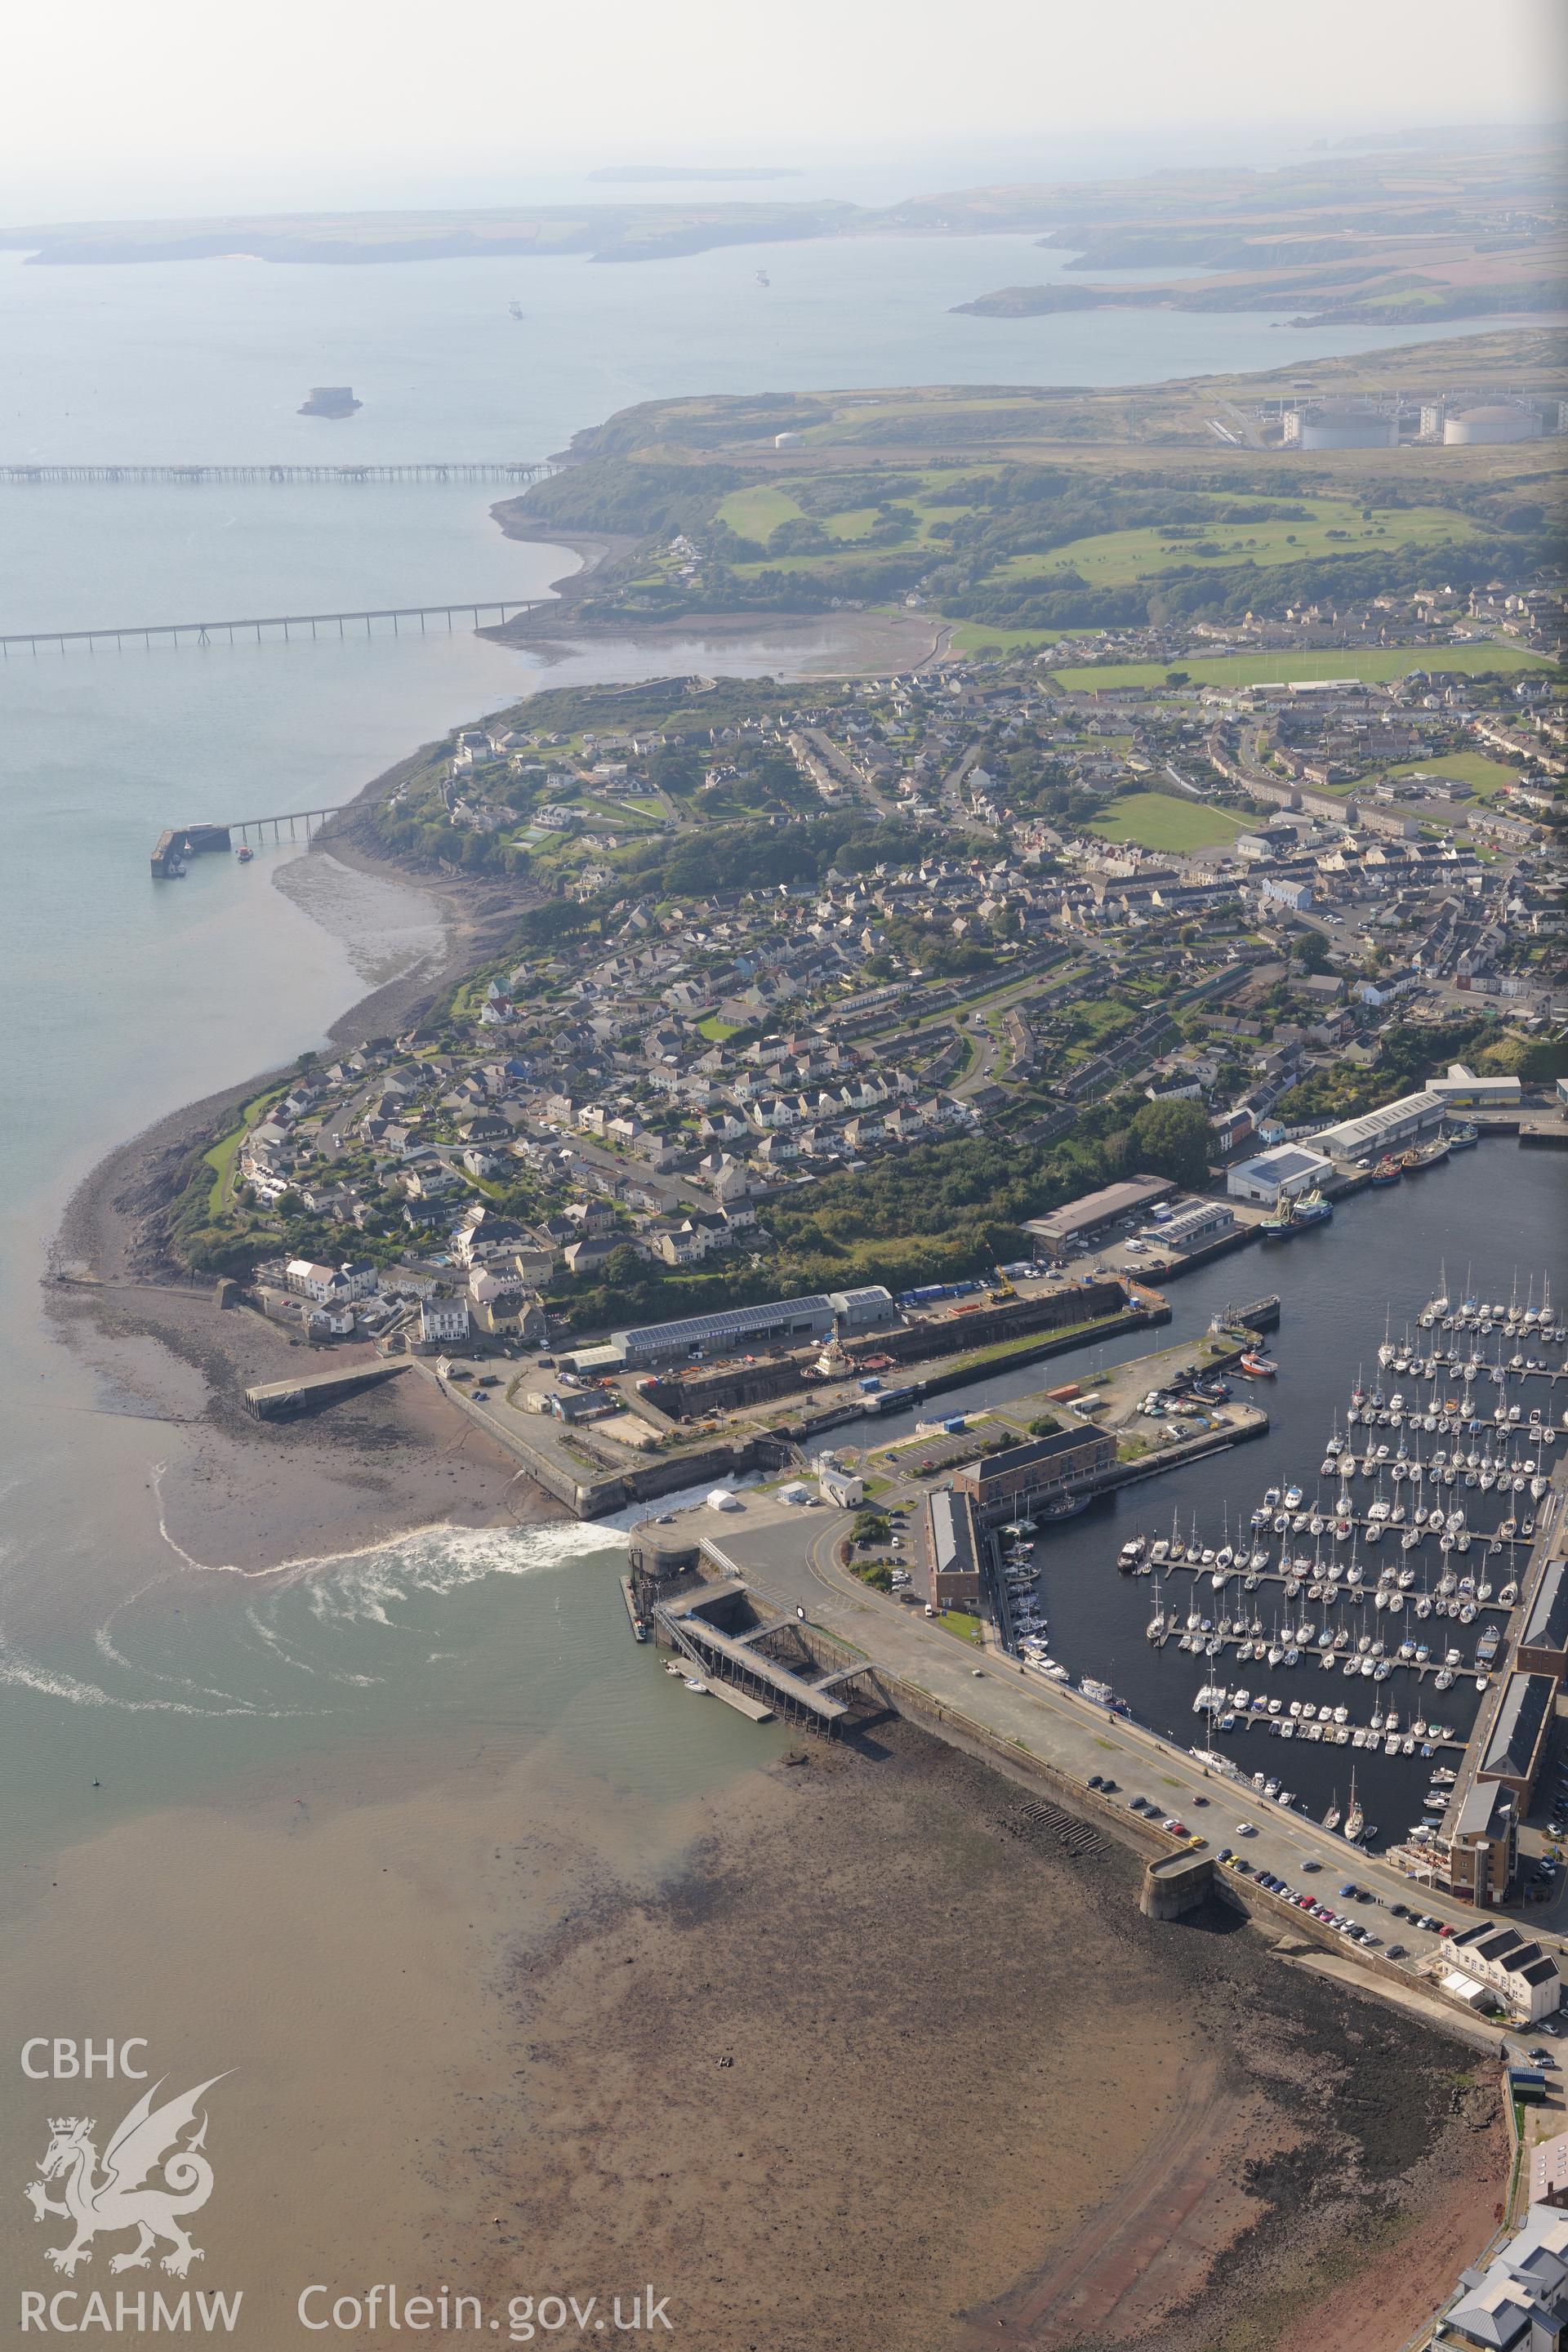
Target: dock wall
1182	1883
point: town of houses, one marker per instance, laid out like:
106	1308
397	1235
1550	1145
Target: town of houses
656	1083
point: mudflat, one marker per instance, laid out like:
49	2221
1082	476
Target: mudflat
865	2068
236	1492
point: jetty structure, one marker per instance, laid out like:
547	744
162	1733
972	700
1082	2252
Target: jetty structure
485	611
519	472
177	843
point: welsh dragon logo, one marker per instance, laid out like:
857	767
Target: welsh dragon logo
119	2196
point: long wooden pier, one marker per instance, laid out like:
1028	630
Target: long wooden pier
433	469
492	610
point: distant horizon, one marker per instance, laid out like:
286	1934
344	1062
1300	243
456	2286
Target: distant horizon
885	175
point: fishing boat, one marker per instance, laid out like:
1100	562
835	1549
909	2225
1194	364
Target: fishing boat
1462	1137
1425	1155
1314	1208
1387	1172
1282	1224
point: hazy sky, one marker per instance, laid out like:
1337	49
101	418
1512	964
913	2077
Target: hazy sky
309	101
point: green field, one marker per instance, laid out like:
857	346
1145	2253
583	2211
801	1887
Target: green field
1377	664
1483	776
1158	821
755	512
1319	528
1115	558
976	636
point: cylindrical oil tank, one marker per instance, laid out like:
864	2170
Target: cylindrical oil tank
1348	428
1508	420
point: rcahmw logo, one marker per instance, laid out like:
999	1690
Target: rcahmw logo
152	2175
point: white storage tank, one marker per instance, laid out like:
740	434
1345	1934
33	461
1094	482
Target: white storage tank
1331	427
1507	421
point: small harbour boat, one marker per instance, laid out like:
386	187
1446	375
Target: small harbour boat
1260	1367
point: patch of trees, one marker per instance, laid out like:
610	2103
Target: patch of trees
754	857
636	496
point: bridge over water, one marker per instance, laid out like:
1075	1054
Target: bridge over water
494	609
